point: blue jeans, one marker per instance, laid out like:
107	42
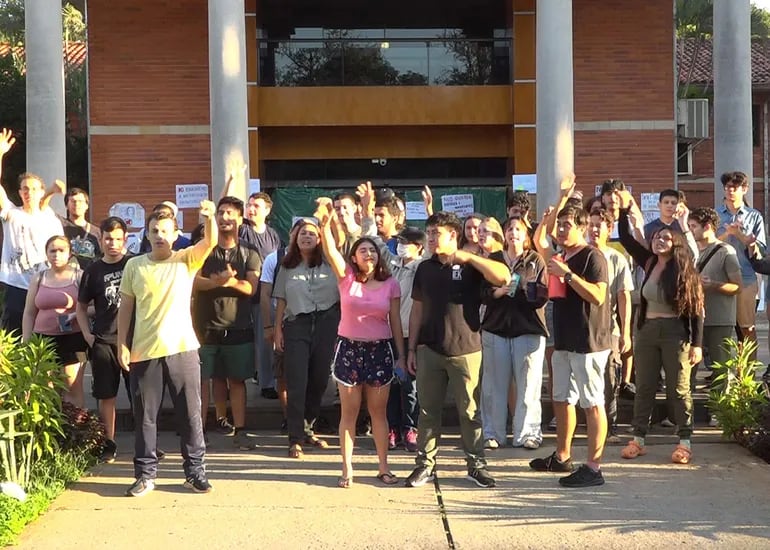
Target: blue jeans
181	372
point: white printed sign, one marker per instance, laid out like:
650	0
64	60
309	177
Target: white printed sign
133	241
415	210
190	195
255	186
649	201
650	215
130	212
179	219
462	205
525	182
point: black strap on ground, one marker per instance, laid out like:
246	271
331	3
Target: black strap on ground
442	512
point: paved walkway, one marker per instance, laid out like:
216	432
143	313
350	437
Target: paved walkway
263	499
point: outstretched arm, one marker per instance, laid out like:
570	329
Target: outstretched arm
328	243
6	142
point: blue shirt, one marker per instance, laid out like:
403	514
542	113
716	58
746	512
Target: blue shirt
751	224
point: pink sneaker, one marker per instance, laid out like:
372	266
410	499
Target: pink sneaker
392	439
411	441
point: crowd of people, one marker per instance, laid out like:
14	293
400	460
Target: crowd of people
393	314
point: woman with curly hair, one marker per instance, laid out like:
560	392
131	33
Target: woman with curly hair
364	360
670	330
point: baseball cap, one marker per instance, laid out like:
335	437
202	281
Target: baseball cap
172	206
410	234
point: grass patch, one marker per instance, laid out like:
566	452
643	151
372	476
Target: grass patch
48	479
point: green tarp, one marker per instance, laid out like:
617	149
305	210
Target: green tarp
290	202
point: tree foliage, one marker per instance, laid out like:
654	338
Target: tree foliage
695	18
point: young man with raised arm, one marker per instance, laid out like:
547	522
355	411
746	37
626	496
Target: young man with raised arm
155	290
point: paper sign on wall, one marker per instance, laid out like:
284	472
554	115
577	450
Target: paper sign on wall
130	212
180	219
525	182
649	201
190	195
255	186
462	205
650	215
415	210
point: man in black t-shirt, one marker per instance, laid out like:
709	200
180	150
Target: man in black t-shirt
101	283
223	289
445	344
582	341
84	237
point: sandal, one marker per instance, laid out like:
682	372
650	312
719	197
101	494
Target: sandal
388	478
295	451
681	455
344	482
316	442
633	450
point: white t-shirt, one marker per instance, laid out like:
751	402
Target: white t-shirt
24	238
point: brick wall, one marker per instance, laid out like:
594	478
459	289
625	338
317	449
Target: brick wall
148	65
623	70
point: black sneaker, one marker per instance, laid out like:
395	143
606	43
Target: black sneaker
161	454
419	477
109	452
198	484
551	464
141	487
269	393
224	427
481	477
627	391
244	441
582	477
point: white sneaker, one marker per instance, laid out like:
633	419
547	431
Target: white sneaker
531	443
713	422
491	444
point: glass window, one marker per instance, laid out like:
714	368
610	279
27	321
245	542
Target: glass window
683	158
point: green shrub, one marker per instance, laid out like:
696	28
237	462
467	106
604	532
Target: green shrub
33	381
737	399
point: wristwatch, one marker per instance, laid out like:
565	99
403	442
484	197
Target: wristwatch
568	277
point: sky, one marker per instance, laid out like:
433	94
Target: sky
764	4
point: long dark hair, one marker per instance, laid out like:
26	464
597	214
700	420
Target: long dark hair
293	255
679	280
381	272
461	238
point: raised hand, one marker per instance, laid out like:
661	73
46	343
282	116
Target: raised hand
208	209
6	141
365	192
323	212
567	185
427	200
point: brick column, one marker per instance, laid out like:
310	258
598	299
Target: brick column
732	92
227	91
555	115
46	140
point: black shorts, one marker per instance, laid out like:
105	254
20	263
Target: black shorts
363	362
106	370
67	346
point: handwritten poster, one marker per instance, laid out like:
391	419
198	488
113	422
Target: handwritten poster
415	210
462	205
649	201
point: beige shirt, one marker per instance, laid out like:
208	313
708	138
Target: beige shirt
161	290
306	289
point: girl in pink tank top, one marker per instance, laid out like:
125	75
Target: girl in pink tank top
50	311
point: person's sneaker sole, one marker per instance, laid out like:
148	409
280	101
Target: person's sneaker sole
421	482
150	487
478	483
188	485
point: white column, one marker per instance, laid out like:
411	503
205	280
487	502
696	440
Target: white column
227	90
46	141
555	116
733	148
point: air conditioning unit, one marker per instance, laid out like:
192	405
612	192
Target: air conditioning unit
692	118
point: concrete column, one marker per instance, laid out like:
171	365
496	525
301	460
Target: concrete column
46	141
555	116
227	90
733	148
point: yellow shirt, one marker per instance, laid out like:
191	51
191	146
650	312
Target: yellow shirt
161	290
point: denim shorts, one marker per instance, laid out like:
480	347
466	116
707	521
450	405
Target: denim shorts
357	362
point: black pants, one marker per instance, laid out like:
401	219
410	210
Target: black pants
13	308
182	374
308	343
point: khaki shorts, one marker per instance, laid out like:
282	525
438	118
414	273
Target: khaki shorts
746	308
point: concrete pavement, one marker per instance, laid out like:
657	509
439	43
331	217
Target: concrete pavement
263	499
